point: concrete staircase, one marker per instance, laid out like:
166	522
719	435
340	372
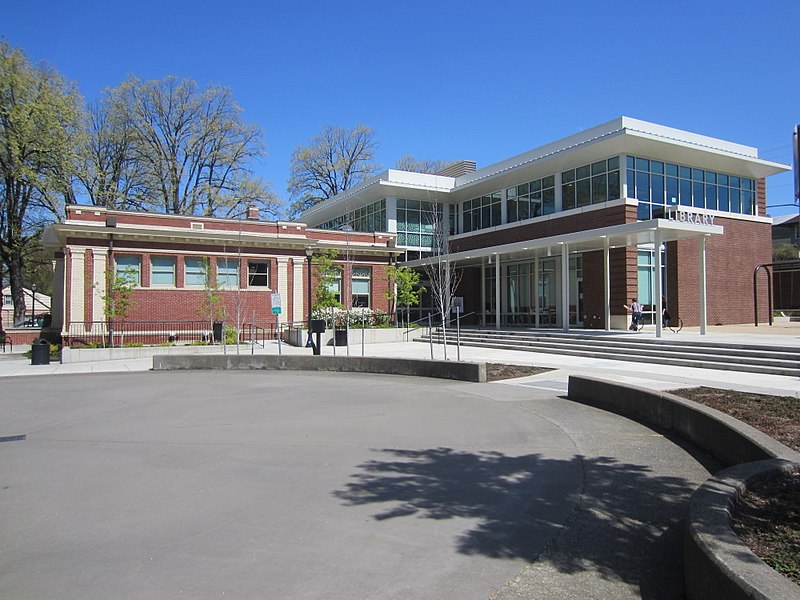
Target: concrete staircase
670	351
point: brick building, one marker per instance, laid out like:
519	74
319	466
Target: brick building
566	234
168	258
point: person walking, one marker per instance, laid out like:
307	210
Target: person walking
636	314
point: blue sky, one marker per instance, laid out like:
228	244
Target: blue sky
447	80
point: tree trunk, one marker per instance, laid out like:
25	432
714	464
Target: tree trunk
17	284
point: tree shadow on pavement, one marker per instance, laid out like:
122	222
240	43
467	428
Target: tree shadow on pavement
619	520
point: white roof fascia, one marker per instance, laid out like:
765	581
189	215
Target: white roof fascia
628	234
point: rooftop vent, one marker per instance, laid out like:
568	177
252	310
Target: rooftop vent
458	168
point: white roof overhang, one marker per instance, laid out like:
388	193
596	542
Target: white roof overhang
617	236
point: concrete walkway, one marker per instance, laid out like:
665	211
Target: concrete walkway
314	485
662	377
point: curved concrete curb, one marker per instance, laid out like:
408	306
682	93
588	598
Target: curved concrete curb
460	371
717	564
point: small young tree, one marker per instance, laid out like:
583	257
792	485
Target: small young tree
442	274
213	305
403	288
117	302
327	274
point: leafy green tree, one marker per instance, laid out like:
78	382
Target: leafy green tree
40	130
336	160
786	251
328	272
213	304
405	282
117	301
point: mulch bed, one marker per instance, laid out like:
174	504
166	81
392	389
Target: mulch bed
767	517
498	371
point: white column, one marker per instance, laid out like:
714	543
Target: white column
57	305
565	286
607	284
659	289
536	306
76	299
497	284
283	278
99	281
298	300
391	214
483	292
703	295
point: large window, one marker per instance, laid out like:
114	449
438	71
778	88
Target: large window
129	266
416	222
532	199
162	271
257	273
483	212
590	184
227	272
195	271
361	286
657	185
368	218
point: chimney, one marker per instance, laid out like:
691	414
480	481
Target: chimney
252	213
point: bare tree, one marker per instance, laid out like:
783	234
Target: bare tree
443	276
336	160
108	171
192	145
409	163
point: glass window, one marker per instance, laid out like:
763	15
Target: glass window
599	189
195	271
361	284
642	187
711	196
130	267
162	270
657	187
584	192
613	185
642	164
722	196
548	201
568	176
698	194
599	167
227	272
582	172
747	203
257	273
656	167
613	163
672	170
568	195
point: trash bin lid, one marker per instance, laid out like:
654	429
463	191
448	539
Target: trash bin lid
40	342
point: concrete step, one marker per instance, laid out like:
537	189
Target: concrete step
734	357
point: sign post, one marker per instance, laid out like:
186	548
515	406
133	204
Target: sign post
276	310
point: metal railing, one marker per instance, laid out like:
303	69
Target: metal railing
154	333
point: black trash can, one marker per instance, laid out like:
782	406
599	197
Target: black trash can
40	352
340	337
217	331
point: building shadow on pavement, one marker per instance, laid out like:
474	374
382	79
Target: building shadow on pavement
597	516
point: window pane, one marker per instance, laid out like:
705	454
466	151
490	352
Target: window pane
613	185
698	175
723	202
549	181
548	201
599	189
736	201
194	271
643	187
584	192
258	273
568	176
227	272
582	172
642	164
672	170
711	196
672	191
685	192
613	163
747	203
599	167
698	194
568	195
656	167
129	266
657	187
162	270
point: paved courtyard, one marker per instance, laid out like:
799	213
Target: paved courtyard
312	485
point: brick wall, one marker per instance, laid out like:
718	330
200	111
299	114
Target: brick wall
731	259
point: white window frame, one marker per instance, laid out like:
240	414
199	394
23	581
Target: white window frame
161	269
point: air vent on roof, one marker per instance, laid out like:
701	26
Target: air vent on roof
458	168
198	225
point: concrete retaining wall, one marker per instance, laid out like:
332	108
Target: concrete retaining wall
461	371
718	566
77	355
